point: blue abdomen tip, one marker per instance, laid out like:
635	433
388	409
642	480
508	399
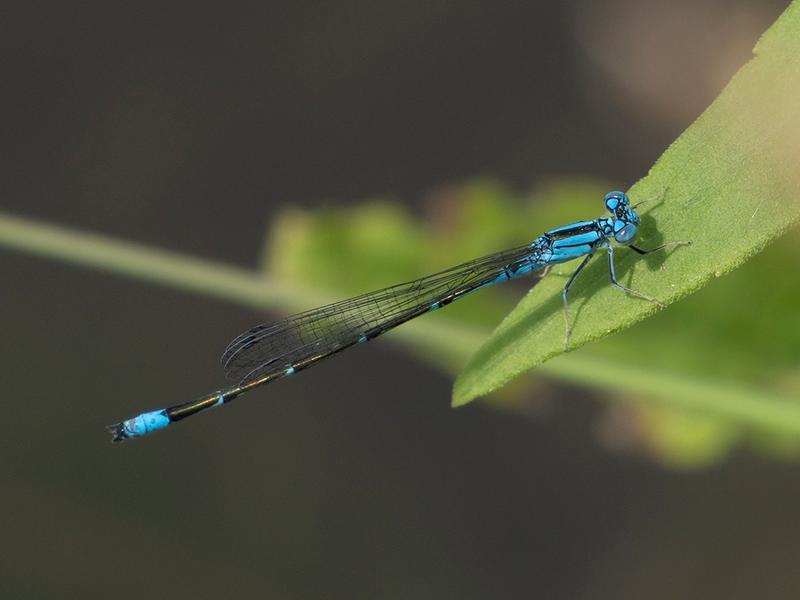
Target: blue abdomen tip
147	423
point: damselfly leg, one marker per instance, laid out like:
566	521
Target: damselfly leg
642	251
622	287
613	276
567	325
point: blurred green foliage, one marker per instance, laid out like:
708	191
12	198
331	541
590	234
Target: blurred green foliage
740	331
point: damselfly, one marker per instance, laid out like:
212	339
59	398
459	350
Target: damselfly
272	351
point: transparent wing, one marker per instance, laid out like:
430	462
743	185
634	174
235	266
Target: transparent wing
299	340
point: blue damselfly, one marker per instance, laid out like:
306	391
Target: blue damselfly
271	351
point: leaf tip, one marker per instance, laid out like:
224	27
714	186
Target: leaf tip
461	396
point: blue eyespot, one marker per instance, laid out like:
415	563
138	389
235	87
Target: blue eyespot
614	199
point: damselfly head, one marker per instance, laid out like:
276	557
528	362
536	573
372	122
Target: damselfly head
625	218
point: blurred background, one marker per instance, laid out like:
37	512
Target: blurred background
342	147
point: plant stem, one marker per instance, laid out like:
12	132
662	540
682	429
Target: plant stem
249	288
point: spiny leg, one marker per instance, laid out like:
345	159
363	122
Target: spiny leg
622	287
567	327
661	247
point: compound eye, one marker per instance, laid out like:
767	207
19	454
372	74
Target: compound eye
626	234
614	199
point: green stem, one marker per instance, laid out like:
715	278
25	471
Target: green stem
250	288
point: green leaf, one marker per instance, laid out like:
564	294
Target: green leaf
731	184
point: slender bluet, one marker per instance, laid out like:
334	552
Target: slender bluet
275	350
